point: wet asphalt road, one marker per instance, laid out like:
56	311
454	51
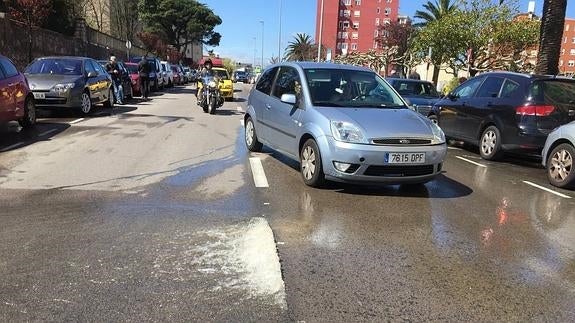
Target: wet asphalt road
150	213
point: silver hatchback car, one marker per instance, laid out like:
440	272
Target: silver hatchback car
342	123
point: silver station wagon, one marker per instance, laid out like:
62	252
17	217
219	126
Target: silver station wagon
342	123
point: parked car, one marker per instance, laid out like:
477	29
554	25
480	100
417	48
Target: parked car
342	123
167	74
126	80
240	76
156	77
188	73
421	95
226	85
183	74
135	78
16	100
177	76
559	154
506	112
69	82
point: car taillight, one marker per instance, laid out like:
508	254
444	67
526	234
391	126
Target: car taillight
535	110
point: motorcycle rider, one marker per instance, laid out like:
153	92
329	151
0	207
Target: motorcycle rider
206	72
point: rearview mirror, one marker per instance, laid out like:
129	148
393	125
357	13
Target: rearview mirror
92	74
289	99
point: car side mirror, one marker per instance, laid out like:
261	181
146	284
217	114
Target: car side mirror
289	99
92	75
452	96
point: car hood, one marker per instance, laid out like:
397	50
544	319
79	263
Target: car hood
383	123
47	81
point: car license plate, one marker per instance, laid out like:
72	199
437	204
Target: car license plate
404	158
39	96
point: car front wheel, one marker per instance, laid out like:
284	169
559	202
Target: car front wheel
311	165
86	102
560	166
490	144
251	137
29	119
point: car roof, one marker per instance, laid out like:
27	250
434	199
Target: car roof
322	65
524	75
65	57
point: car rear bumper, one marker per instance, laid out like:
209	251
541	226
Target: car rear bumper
371	167
227	93
524	141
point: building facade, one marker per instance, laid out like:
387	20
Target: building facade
567	57
352	25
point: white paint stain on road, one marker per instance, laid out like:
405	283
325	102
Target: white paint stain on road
470	161
547	189
260	179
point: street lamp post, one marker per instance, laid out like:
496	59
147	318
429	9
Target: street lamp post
280	34
262	22
320	33
255	50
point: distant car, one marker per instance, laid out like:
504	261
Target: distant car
507	112
69	82
421	95
188	73
126	80
135	78
155	76
176	75
226	85
16	100
559	154
240	76
167	74
342	123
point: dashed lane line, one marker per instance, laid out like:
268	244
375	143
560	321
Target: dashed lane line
12	146
260	179
453	148
242	122
77	120
47	132
470	161
547	189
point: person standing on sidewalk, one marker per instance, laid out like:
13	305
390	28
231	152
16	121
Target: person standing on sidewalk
114	70
144	72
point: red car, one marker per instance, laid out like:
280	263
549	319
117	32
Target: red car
16	100
135	77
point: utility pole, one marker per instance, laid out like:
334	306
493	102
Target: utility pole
280	34
320	32
262	22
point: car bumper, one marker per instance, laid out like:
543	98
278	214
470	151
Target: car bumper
528	141
370	166
227	93
56	100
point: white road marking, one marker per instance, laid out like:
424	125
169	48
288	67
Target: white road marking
242	122
453	148
260	179
547	190
470	161
266	203
77	120
45	133
12	146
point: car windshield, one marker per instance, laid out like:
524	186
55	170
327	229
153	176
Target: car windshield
350	88
241	74
221	74
57	66
412	88
133	69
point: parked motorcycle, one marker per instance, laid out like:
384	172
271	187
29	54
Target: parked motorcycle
211	96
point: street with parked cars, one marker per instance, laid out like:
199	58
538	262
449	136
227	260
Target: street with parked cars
277	206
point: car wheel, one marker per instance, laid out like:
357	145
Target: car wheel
560	166
110	102
490	144
310	164
131	94
86	102
29	119
433	118
251	137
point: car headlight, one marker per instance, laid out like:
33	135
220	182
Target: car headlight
438	135
346	132
63	87
212	84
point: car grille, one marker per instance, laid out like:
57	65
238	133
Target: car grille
401	141
399	171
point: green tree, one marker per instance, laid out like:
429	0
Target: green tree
180	22
302	48
552	24
435	11
229	65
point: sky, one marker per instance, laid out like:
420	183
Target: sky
241	28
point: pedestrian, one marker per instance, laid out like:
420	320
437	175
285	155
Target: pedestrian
414	75
144	73
114	70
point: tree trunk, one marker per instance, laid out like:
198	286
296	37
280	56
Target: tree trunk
435	77
552	25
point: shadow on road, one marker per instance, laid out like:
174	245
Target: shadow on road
13	137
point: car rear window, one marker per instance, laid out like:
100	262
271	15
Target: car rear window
415	88
554	91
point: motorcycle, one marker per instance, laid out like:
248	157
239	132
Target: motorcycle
211	96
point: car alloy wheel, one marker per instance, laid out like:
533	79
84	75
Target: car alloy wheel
86	103
29	118
249	133
560	165
308	162
490	144
251	137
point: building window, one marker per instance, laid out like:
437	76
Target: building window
356	13
378	11
346	2
565	40
566	27
386	21
354	46
572	51
344	46
356	25
347	13
562	51
376	33
571	63
338	46
374	45
344	35
573	40
561	63
389	1
358	2
354	35
387	11
345	25
377	21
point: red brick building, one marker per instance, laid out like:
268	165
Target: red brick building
351	25
567	57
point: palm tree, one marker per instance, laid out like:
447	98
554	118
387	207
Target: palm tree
552	24
434	11
302	48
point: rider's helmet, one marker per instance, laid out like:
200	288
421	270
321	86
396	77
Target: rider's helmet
208	64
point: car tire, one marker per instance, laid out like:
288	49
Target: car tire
311	168
251	137
86	107
109	104
490	144
29	118
131	94
560	166
433	118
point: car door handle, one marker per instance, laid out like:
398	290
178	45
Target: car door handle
268	106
